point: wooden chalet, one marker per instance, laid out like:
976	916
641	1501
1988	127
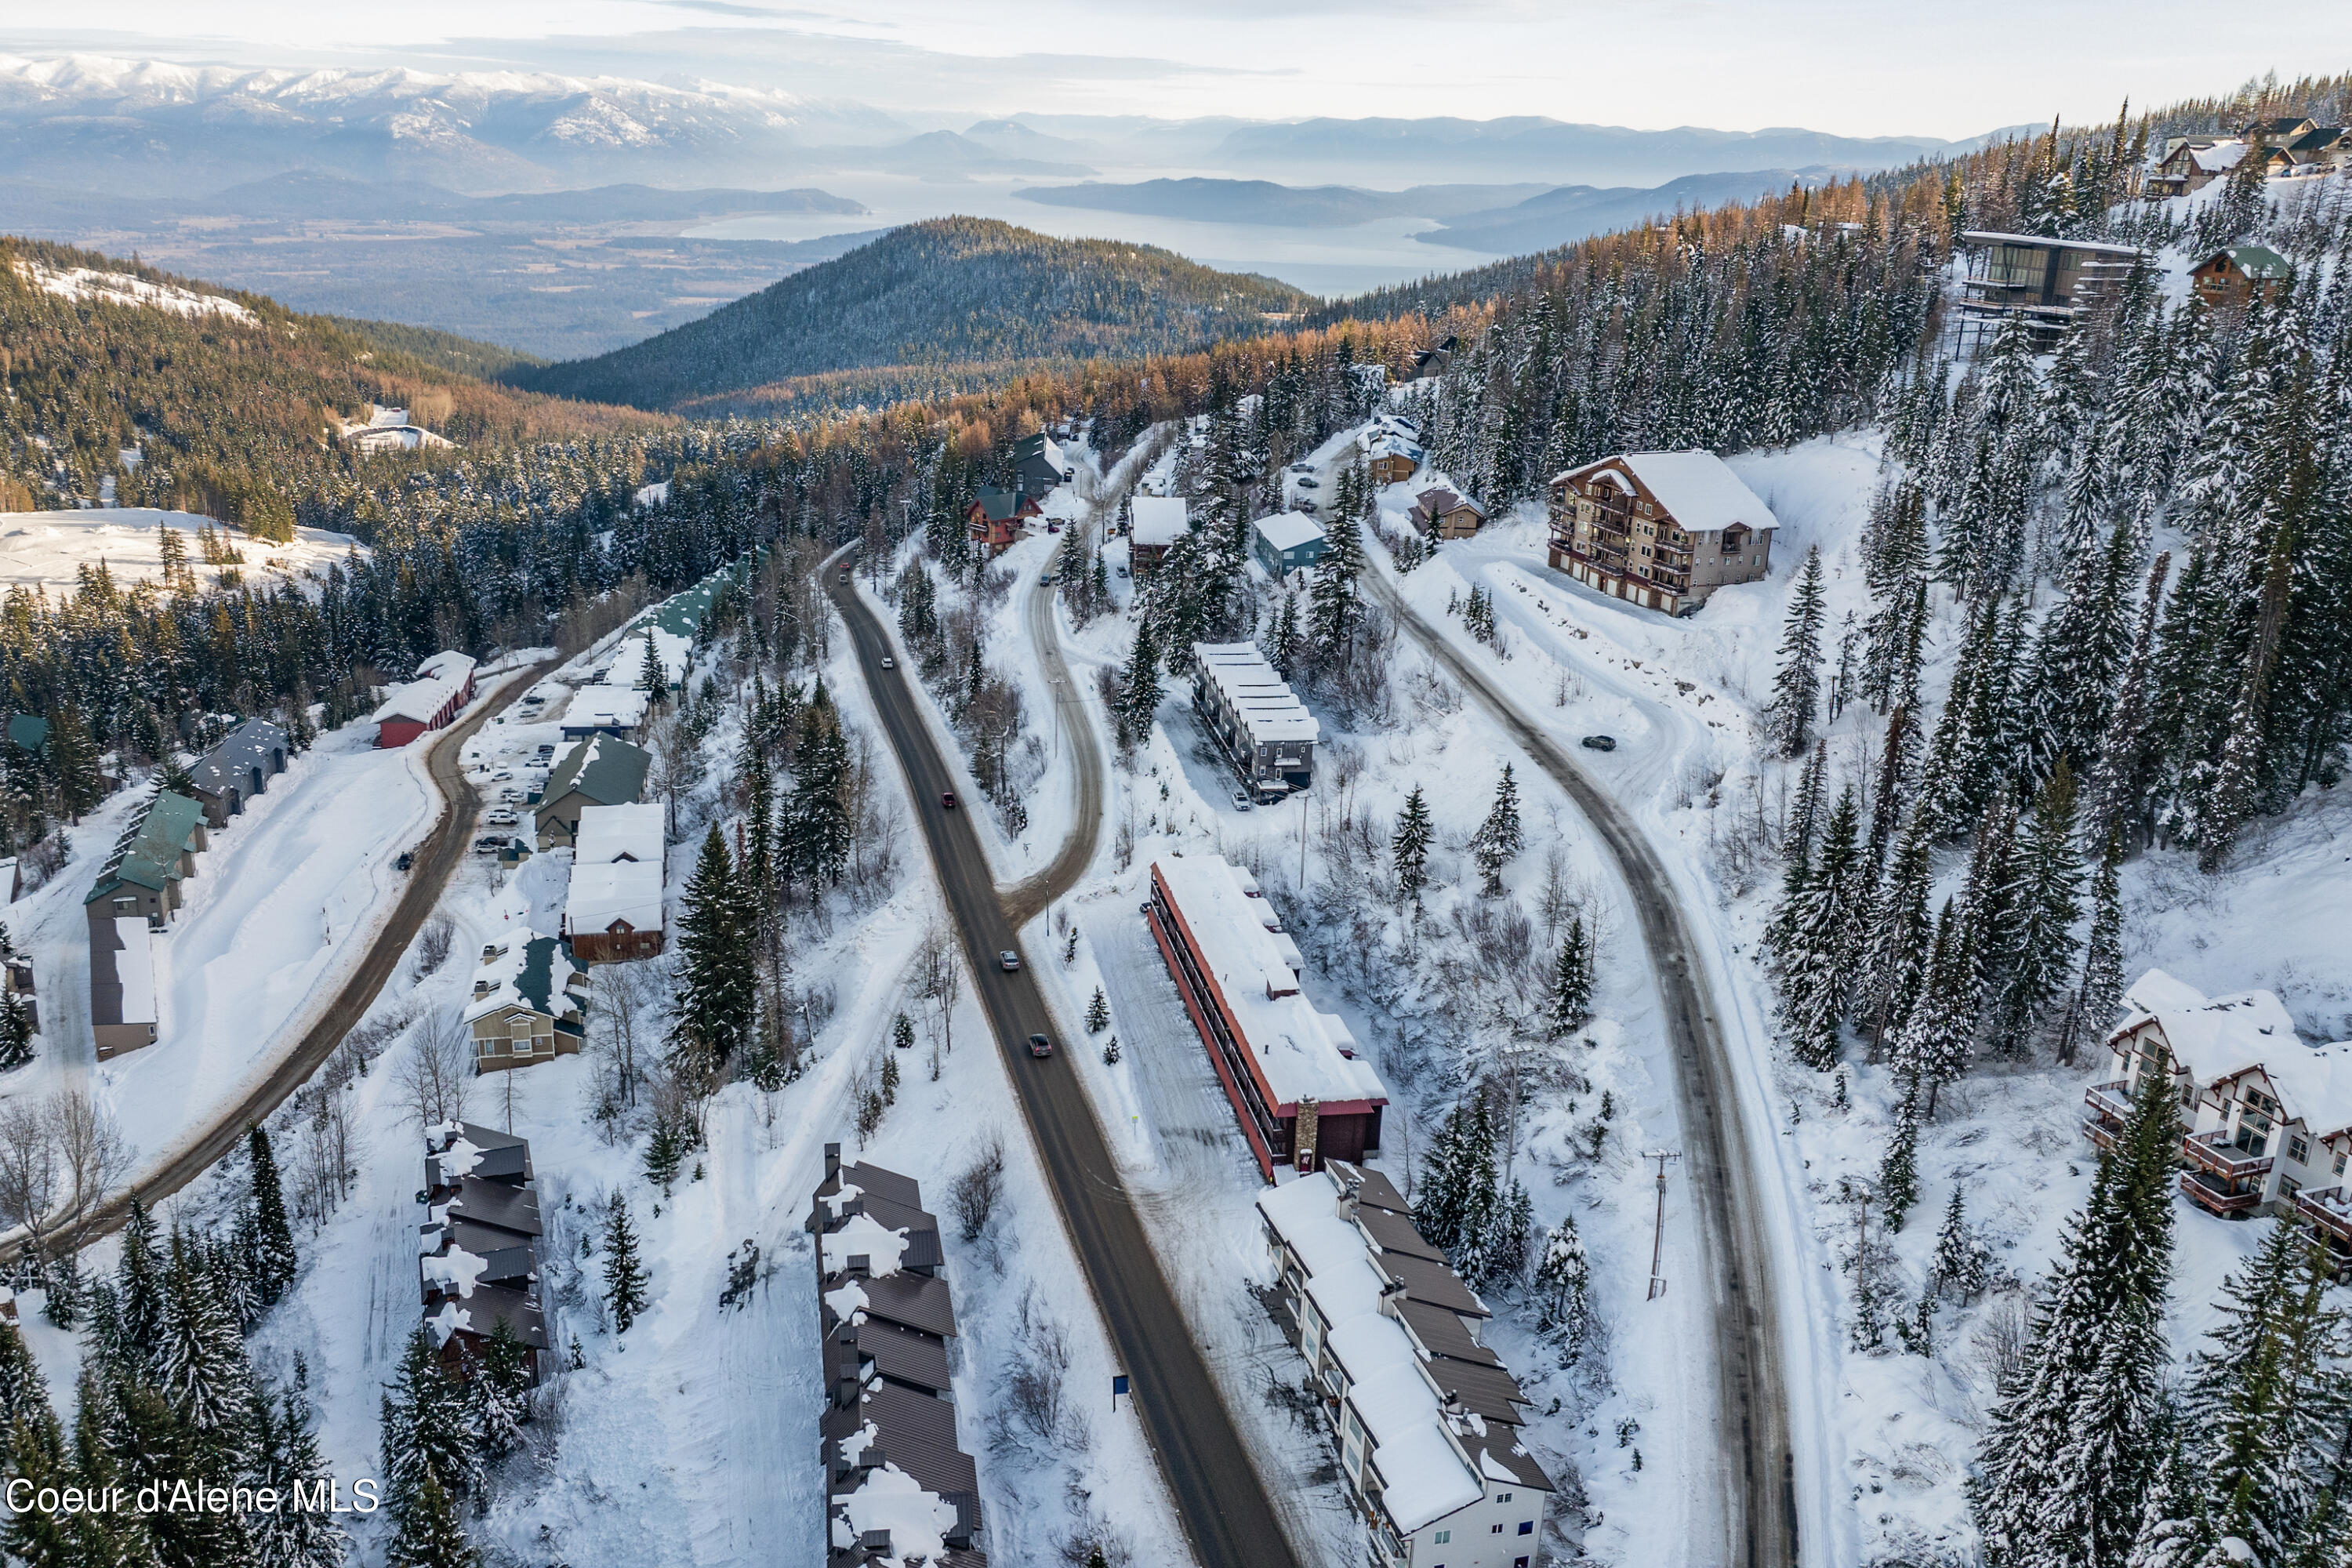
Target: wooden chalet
1439	513
994	516
1662	530
2239	274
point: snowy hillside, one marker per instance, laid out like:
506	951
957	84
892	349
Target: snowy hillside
51	550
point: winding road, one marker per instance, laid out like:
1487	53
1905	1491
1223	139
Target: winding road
1227	1516
438	854
1762	1511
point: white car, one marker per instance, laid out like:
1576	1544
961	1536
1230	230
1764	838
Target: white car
499	817
889	663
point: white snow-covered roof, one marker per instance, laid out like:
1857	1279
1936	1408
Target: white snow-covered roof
1390	444
602	707
630	832
1426	1476
2220	158
862	1236
628	662
134	966
1256	692
1698	489
1158	520
422	700
1288	529
917	1521
2215	1038
1302	1053
447	664
454	1269
607	891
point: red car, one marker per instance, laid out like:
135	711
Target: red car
948	800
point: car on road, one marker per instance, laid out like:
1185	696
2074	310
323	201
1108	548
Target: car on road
948	800
408	858
1039	1046
501	775
889	663
1053	527
1044	580
1241	800
500	818
1302	468
1600	743
844	577
1009	961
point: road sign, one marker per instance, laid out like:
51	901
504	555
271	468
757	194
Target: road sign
1119	1385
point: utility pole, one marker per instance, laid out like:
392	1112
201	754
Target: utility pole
1658	1238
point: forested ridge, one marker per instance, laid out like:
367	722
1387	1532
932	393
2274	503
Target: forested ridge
944	291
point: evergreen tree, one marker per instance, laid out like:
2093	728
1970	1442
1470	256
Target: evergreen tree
286	1452
1898	1171
1334	602
2098	995
1563	1301
1282	642
902	1033
822	830
501	1391
1796	690
1097	1014
1409	846
425	1431
1932	1047
624	1278
273	1235
1140	698
1961	1264
430	1535
15	1032
652	680
2039	918
73	760
139	1297
1499	837
1818	940
23	1392
1571	982
717	989
1895	966
200	1362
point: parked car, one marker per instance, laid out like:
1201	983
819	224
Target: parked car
1302	468
889	663
501	775
408	858
547	748
510	794
948	800
1310	484
1053	527
1241	800
489	846
1039	1046
1009	961
500	818
1601	743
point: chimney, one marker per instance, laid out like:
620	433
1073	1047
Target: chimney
831	1162
845	1391
1348	1199
1392	1299
861	1263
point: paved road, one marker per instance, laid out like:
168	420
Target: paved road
1226	1514
1761	1514
1033	896
438	854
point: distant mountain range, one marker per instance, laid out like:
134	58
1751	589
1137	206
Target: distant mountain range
1266	204
1571	213
951	292
308	195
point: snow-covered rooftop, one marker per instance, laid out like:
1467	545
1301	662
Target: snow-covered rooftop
1254	691
426	698
862	1236
607	708
2214	1038
1301	1053
605	891
1288	529
1698	489
628	832
1158	520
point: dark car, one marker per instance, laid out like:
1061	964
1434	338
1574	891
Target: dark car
408	858
948	800
1039	1046
1601	743
1008	960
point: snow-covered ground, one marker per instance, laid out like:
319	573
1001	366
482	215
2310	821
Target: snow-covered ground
48	549
282	904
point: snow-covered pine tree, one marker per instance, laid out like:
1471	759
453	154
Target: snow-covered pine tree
820	784
1898	1170
1098	1012
1282	640
1440	1197
2039	922
200	1361
717	988
74	763
499	1390
1563	1293
2122	786
1571	981
1140	698
424	1427
1818	938
902	1033
1894	964
284	1452
16	1033
625	1277
23	1392
273	1235
1334	602
1499	837
1409	846
1961	1267
1789	719
429	1534
2098	993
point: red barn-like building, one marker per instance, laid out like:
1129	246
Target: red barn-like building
444	684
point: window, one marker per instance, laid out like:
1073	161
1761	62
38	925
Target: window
1494	1530
2339	1164
1443	1536
2299	1150
1526	1527
1518	1563
1502	1497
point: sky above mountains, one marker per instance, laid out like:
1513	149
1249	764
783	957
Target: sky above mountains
1856	68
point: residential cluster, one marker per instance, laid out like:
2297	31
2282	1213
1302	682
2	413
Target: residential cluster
2269	1119
1267	733
898	1488
477	1250
1426	1419
138	891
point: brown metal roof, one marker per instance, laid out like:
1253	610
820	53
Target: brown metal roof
1489	1391
496	1203
905	1357
917	1301
1441	1333
1395	1233
1431	1282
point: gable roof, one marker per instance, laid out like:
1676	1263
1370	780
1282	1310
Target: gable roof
1288	529
1437	501
230	764
627	832
147	854
523	974
2257	261
1697	489
29	731
1157	521
606	892
608	772
999	505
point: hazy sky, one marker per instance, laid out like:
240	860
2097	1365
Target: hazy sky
1855	67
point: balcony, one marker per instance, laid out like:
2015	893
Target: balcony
2328	1212
2220	1179
2110	1105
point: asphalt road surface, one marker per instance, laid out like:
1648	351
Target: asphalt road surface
1034	896
1760	1516
1225	1512
438	854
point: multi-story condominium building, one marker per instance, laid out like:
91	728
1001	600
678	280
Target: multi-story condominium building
1662	530
1266	731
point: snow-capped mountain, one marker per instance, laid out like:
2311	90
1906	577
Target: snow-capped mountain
150	126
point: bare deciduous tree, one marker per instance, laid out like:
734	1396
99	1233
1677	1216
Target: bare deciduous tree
90	1152
29	1168
976	1191
440	1072
433	945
